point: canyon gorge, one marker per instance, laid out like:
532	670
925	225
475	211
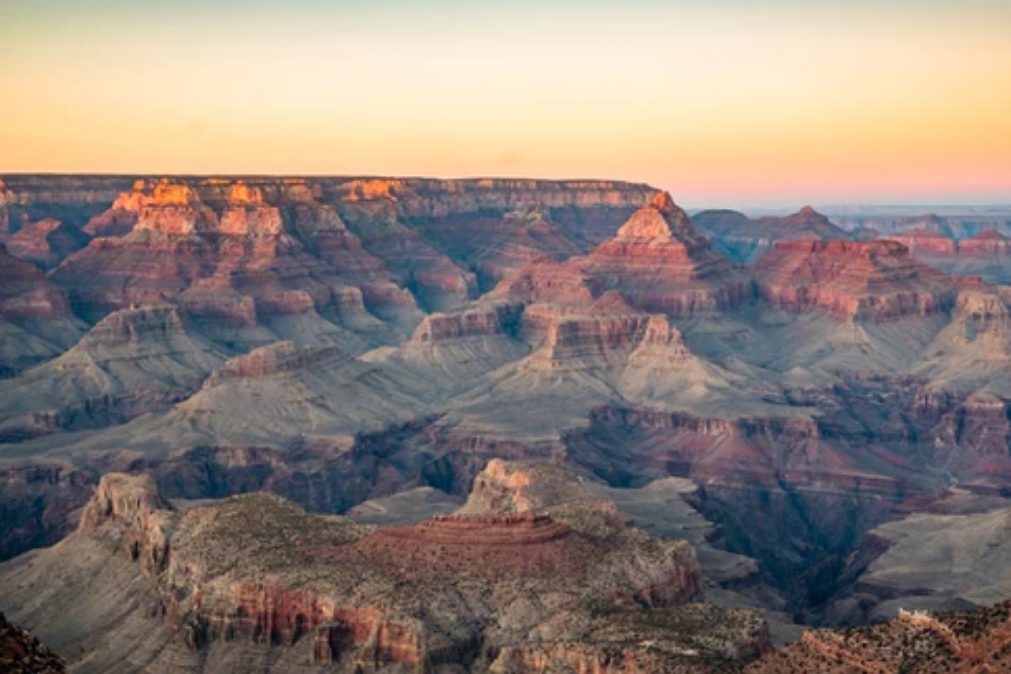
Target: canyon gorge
403	424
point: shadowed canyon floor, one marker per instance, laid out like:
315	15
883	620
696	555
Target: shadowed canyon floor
827	428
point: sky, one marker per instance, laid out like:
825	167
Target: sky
722	102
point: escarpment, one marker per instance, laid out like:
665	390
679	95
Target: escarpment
986	254
452	590
656	263
872	280
340	341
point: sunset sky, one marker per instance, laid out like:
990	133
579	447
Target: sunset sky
736	102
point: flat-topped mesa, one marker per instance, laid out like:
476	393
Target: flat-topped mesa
982	308
482	321
136	325
593	342
272	359
926	242
987	243
517	529
873	280
432	198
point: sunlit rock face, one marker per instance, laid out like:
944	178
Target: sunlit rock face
656	262
873	280
338	341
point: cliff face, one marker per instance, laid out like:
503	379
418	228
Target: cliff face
452	590
870	280
330	340
987	254
656	263
394	241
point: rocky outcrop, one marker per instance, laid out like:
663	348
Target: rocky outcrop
598	342
46	242
986	243
656	263
743	239
453	590
133	362
920	642
21	653
926	243
132	506
496	319
121	217
216	257
865	280
986	255
671	641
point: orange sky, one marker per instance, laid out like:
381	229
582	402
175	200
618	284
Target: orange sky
747	103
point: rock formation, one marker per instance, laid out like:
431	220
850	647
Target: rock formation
744	239
45	242
501	592
21	653
657	263
329	340
915	642
35	318
866	280
987	254
134	362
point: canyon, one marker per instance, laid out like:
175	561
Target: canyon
534	374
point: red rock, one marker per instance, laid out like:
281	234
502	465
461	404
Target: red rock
986	243
925	242
495	320
122	216
657	263
45	242
25	293
873	280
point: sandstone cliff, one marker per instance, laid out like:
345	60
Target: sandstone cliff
475	591
867	280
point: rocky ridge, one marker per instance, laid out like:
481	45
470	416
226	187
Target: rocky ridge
744	240
327	592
